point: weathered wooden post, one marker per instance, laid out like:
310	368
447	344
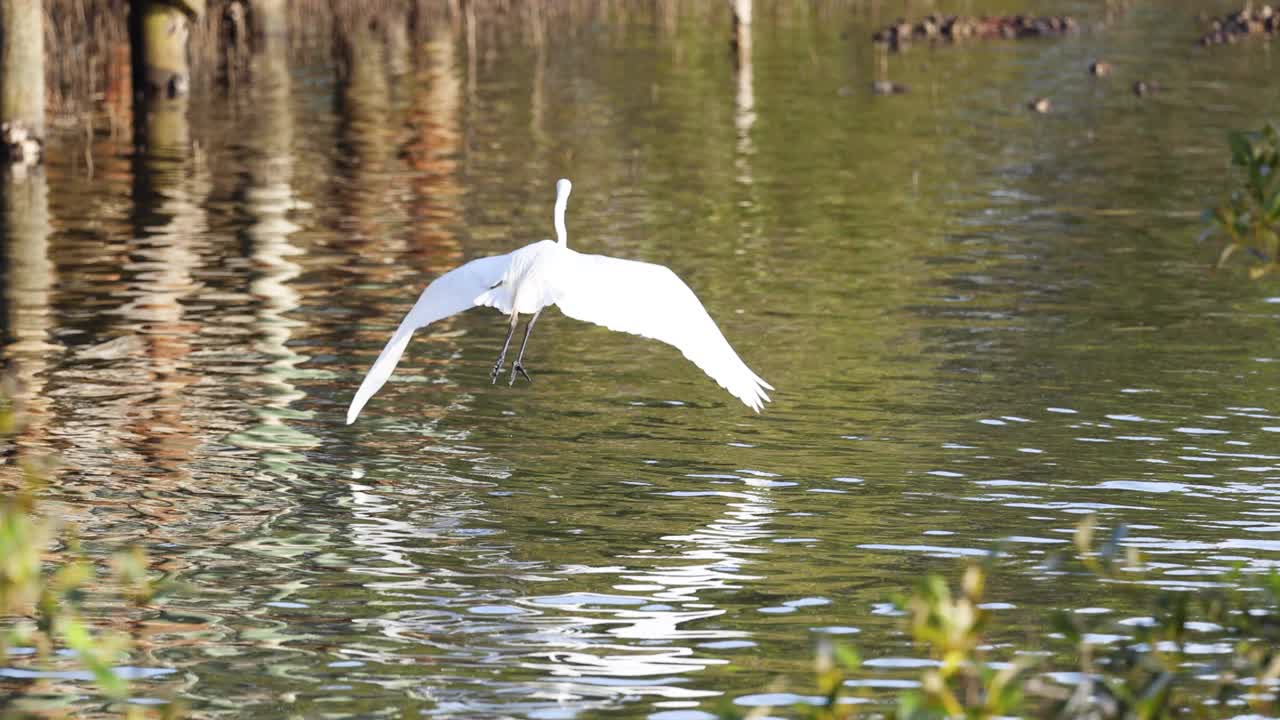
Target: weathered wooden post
22	80
269	18
158	33
159	30
234	39
251	25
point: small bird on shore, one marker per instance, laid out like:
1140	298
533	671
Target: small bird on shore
625	295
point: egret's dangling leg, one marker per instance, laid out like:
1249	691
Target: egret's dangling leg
519	366
502	356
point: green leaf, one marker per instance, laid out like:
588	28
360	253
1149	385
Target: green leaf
910	704
847	657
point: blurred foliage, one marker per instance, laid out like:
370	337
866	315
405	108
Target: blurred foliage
951	628
41	598
1149	673
1250	220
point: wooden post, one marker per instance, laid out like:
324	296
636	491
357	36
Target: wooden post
269	18
22	80
234	38
159	30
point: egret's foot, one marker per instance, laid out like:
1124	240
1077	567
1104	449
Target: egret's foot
497	370
518	368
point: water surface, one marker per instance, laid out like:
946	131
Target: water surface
983	324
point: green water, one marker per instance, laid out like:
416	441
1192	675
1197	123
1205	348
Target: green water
982	324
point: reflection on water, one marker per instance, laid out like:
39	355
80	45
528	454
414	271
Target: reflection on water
987	323
29	279
268	201
626	639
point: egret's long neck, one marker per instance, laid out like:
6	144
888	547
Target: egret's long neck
563	187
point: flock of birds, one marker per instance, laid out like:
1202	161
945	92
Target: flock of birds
625	295
934	26
1261	21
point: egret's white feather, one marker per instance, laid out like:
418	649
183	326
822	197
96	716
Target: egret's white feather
451	293
652	301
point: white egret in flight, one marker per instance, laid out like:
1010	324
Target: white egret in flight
635	297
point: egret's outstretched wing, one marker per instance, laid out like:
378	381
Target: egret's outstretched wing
449	294
649	300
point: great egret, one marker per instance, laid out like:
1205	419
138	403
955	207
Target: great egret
625	295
